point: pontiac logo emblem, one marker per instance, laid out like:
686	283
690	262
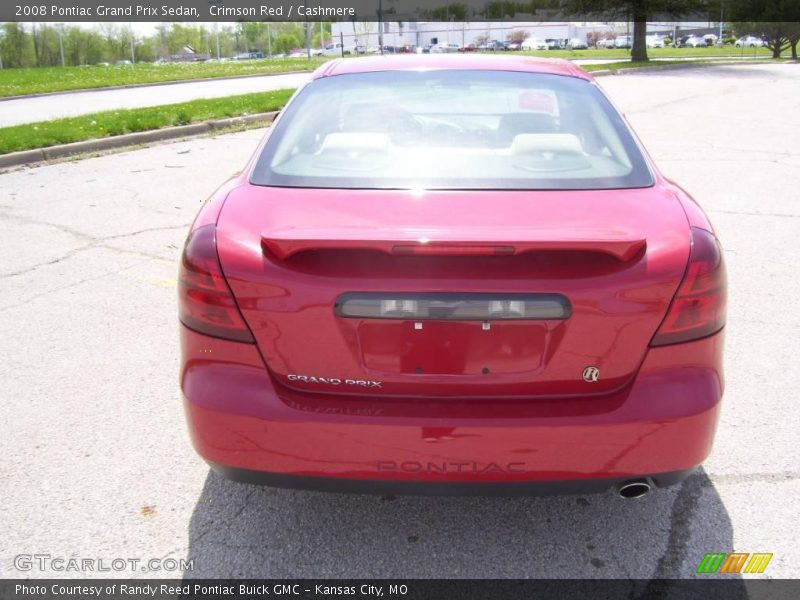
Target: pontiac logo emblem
591	374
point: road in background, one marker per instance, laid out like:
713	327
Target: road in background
96	457
29	109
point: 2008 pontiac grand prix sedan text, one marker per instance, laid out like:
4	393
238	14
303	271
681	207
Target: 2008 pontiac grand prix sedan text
452	274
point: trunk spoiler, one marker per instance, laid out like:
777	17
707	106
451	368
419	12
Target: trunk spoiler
284	244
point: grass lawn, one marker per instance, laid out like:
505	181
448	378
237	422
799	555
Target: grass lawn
18	82
118	122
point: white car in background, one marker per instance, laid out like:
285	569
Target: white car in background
534	44
444	48
605	43
623	41
695	42
749	41
335	49
577	44
654	41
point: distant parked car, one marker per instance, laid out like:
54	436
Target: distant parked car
577	44
654	41
513	46
534	44
604	43
694	41
123	63
335	49
622	41
749	41
444	48
553	44
492	45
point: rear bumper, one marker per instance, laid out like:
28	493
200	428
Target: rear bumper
441	488
660	426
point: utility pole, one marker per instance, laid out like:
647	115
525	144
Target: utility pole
269	41
216	35
308	39
133	52
380	24
35	45
61	43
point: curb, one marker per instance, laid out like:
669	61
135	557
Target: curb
25	157
128	86
681	65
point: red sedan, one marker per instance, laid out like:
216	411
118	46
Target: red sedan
452	274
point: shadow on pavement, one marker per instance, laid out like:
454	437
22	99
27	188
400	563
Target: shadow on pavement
238	530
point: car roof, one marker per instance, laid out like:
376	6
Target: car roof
467	62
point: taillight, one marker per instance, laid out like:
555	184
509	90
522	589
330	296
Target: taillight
205	301
698	308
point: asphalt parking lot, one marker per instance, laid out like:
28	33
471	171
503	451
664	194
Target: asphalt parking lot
96	458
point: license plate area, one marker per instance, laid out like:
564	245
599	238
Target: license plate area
452	347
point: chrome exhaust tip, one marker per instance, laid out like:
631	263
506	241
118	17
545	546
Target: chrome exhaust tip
635	488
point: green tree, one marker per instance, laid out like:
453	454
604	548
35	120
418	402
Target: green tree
286	42
16	46
640	12
82	46
776	21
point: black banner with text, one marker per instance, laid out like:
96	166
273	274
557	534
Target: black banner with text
395	589
388	10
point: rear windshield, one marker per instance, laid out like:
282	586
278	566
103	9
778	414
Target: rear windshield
455	129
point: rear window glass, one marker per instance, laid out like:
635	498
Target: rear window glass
455	129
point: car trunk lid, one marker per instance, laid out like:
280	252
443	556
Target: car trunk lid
452	288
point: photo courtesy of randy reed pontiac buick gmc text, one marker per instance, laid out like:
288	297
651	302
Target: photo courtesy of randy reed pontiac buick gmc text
201	590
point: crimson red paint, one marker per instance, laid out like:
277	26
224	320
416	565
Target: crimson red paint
279	381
